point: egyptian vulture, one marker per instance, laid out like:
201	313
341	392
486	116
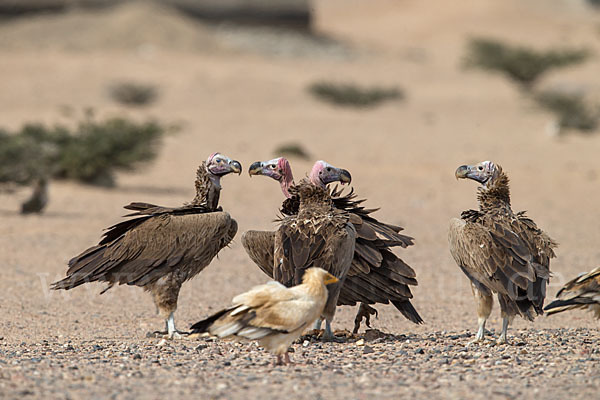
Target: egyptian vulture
272	314
376	275
581	292
159	248
500	251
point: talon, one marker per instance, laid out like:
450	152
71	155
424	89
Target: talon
364	311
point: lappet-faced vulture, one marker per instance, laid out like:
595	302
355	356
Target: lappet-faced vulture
500	251
582	292
160	248
272	314
376	274
319	235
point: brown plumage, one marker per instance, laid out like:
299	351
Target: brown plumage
376	275
500	251
272	314
318	236
582	292
159	248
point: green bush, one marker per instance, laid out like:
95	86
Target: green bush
570	108
522	64
350	95
133	94
91	153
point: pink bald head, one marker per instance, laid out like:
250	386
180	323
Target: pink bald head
278	169
323	173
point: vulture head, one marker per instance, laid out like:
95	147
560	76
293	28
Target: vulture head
323	173
219	165
485	172
278	169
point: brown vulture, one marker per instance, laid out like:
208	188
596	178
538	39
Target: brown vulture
581	292
500	251
272	314
376	274
159	248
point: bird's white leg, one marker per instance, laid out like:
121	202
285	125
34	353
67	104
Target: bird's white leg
481	330
317	324
505	321
172	332
485	302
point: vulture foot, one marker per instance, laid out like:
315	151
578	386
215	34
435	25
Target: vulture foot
175	335
364	311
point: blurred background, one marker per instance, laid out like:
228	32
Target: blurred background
104	102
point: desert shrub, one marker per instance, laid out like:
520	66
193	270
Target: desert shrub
292	150
133	94
350	95
571	109
90	153
522	64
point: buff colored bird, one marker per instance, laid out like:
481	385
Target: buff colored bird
272	314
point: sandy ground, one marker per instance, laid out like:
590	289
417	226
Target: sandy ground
243	101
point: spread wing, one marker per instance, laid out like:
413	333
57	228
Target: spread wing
260	247
140	250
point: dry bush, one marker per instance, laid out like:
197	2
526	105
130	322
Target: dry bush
350	95
522	64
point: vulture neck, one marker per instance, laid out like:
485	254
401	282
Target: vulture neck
286	182
208	188
313	198
496	195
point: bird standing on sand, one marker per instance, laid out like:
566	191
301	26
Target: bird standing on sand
160	248
500	251
376	275
272	314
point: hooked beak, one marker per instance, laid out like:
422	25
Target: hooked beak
345	177
255	168
462	172
329	279
235	167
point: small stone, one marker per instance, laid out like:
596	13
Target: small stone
523	351
419	351
305	343
368	350
360	342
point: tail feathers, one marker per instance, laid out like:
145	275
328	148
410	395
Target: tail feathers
563	305
205	324
407	309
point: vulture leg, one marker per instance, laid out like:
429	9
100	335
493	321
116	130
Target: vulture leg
506	319
286	358
364	311
165	293
328	334
485	301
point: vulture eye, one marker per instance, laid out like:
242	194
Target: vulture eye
480	168
271	166
328	169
